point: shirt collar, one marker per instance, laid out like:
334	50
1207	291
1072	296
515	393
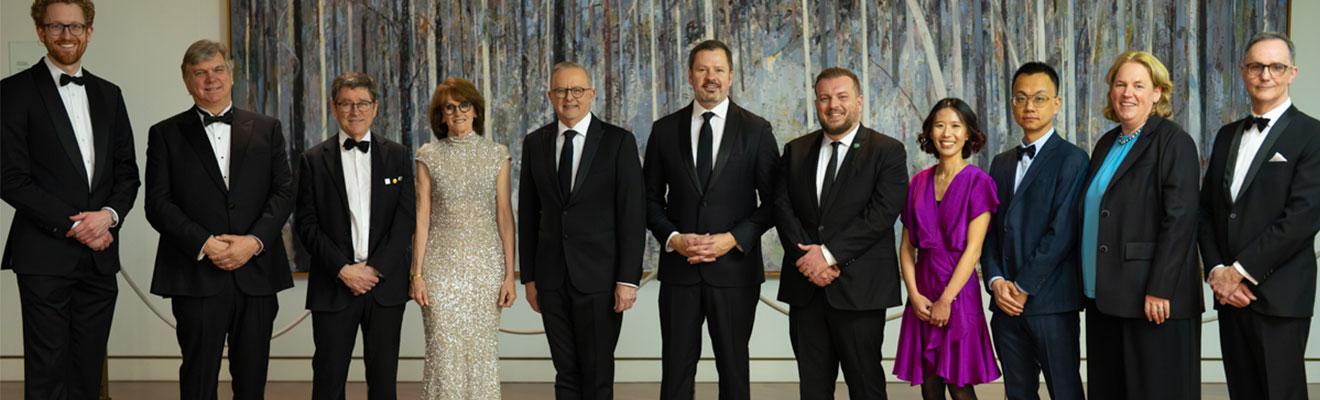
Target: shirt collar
1274	114
55	72
208	113
581	126
344	136
721	110
847	138
1040	143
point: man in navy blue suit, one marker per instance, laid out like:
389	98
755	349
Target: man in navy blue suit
1030	256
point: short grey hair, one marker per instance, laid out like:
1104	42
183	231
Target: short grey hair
203	50
1263	36
563	65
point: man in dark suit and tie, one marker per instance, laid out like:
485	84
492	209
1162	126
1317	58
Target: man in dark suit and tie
219	192
582	222
68	170
706	167
1030	253
355	217
1260	211
840	190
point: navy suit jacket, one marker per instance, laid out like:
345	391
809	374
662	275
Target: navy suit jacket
1032	240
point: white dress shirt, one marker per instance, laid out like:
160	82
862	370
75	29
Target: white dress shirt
1024	163
357	187
579	142
219	136
74	97
823	163
717	135
1252	139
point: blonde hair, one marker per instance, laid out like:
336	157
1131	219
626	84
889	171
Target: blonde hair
1159	76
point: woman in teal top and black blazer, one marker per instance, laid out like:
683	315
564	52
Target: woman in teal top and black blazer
1139	272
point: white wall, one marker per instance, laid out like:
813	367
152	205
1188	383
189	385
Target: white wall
138	43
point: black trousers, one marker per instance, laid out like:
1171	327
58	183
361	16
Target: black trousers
204	326
825	338
729	313
1264	356
1131	358
335	334
66	323
1031	344
582	329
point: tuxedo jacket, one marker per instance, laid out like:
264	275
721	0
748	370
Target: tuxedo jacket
325	228
855	220
42	174
187	202
594	236
1147	223
1032	240
1271	228
744	172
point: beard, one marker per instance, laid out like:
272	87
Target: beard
63	57
842	128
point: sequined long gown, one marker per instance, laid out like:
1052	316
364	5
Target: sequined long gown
463	269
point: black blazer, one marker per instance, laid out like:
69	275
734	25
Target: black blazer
1032	239
595	237
1271	228
42	174
855	220
324	226
187	202
744	171
1147	223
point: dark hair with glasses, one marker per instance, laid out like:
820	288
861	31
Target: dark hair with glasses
462	91
975	137
353	80
39	11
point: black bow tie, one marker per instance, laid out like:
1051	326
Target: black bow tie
66	79
1028	151
362	146
226	118
1260	123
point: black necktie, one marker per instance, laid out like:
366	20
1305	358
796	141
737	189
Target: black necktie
705	140
226	118
66	79
1260	123
830	169
1028	151
362	146
566	164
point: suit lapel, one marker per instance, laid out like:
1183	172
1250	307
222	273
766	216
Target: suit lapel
100	114
1230	161
240	134
1143	142
59	117
190	126
849	164
732	134
1045	159
334	164
685	145
549	165
1267	148
379	156
811	164
1003	174
596	130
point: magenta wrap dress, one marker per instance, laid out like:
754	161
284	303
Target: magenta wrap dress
960	352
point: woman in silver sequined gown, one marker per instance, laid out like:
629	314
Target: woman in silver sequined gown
463	249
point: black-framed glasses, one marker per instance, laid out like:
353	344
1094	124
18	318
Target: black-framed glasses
575	91
460	107
54	29
361	106
1276	69
1037	100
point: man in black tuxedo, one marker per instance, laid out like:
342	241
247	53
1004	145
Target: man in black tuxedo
355	217
68	170
1260	211
840	190
706	167
582	219
1030	254
219	192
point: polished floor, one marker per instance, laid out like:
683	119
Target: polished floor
529	391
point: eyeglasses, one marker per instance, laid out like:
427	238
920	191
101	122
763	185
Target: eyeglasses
1276	69
361	106
54	29
1037	100
577	92
461	107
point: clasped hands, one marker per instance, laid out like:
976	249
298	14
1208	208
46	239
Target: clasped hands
1229	288
814	266
231	252
1008	297
360	277
702	248
92	229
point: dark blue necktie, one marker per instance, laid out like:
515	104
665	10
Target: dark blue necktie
705	141
566	164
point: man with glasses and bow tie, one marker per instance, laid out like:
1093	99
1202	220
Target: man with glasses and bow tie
219	192
582	228
355	217
1030	254
68	169
1260	211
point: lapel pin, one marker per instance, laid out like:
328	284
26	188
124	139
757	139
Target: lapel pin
857	145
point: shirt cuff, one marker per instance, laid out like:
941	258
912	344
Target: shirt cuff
829	257
1243	271
627	284
668	239
114	216
261	246
75	224
201	253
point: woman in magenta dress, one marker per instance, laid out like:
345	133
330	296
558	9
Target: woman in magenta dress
944	343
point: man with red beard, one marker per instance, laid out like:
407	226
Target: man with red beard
68	170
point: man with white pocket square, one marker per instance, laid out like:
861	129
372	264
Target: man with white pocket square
1260	211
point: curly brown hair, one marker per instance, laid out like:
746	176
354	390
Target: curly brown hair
975	136
39	9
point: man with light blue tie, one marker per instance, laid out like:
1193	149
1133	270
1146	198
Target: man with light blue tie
1030	254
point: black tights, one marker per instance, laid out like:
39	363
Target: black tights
934	386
